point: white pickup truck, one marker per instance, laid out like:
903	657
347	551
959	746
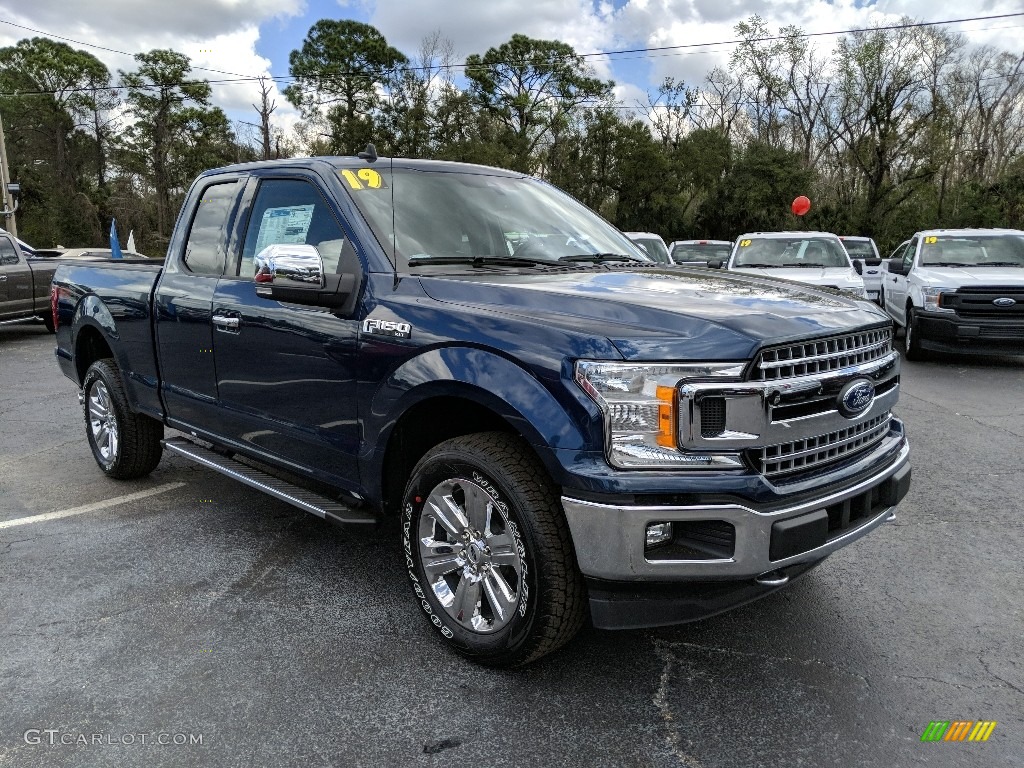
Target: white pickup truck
815	258
958	290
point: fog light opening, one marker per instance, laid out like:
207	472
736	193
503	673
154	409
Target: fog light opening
658	534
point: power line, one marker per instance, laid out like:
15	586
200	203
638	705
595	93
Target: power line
647	52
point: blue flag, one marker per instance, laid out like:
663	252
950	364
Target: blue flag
115	246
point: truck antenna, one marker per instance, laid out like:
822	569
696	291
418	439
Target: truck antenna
369	154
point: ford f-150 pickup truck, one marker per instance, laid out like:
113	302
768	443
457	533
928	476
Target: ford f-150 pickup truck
24	283
557	426
958	290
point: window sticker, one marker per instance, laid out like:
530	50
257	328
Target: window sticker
744	243
931	240
288	224
364	178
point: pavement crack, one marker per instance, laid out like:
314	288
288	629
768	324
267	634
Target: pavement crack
769	657
673	737
1004	681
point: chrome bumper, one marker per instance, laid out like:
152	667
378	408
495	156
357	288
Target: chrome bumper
609	539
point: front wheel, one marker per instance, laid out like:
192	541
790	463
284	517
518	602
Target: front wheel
912	337
126	445
489	552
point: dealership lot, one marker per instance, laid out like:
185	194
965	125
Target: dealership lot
188	606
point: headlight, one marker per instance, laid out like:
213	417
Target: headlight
640	404
933	299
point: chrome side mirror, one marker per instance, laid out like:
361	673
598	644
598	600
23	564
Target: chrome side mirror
288	265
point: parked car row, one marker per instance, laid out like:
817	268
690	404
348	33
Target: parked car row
958	290
950	289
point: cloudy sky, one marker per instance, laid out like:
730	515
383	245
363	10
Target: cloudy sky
254	37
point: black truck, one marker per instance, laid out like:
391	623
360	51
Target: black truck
24	283
561	428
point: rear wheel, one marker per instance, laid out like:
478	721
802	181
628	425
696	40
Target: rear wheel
489	552
126	445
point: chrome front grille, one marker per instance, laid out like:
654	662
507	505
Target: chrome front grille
818	356
801	455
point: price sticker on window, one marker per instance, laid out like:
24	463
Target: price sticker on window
744	243
931	240
364	178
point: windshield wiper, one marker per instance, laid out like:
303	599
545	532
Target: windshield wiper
1000	264
600	258
949	264
479	261
757	265
803	264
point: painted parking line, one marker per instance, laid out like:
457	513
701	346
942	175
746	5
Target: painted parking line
95	506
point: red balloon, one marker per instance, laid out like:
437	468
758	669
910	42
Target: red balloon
801	205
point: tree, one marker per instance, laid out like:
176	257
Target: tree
340	71
174	122
56	96
530	87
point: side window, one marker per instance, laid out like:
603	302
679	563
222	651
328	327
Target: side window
908	255
293	211
8	255
207	238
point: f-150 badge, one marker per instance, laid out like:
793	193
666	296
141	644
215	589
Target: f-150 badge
387	328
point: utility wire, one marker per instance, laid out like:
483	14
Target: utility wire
238	78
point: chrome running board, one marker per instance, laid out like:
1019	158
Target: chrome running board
309	501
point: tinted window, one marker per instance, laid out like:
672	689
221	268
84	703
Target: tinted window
206	247
8	255
700	252
427	214
790	252
653	248
291	211
973	251
859	249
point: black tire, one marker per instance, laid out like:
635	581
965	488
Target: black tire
136	446
501	470
912	337
48	322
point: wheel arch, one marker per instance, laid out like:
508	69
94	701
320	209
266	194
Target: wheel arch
478	391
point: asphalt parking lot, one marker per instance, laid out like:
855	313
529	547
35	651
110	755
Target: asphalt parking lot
188	606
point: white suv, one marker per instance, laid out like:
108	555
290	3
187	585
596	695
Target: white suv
651	244
864	251
817	258
958	290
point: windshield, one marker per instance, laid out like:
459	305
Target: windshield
790	252
859	249
973	251
476	216
700	252
654	248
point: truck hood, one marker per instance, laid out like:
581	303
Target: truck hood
955	277
654	314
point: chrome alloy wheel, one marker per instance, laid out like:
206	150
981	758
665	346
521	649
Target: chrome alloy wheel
103	422
470	555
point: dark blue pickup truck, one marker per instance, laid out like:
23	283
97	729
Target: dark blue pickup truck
561	427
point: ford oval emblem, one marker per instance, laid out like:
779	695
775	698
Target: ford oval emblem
855	397
1006	301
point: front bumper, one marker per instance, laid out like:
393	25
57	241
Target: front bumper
947	332
631	586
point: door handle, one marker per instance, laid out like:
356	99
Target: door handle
224	323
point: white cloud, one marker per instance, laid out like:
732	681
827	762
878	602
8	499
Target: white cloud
475	26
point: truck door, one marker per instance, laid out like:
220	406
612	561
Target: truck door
15	281
899	284
183	303
285	375
8	263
